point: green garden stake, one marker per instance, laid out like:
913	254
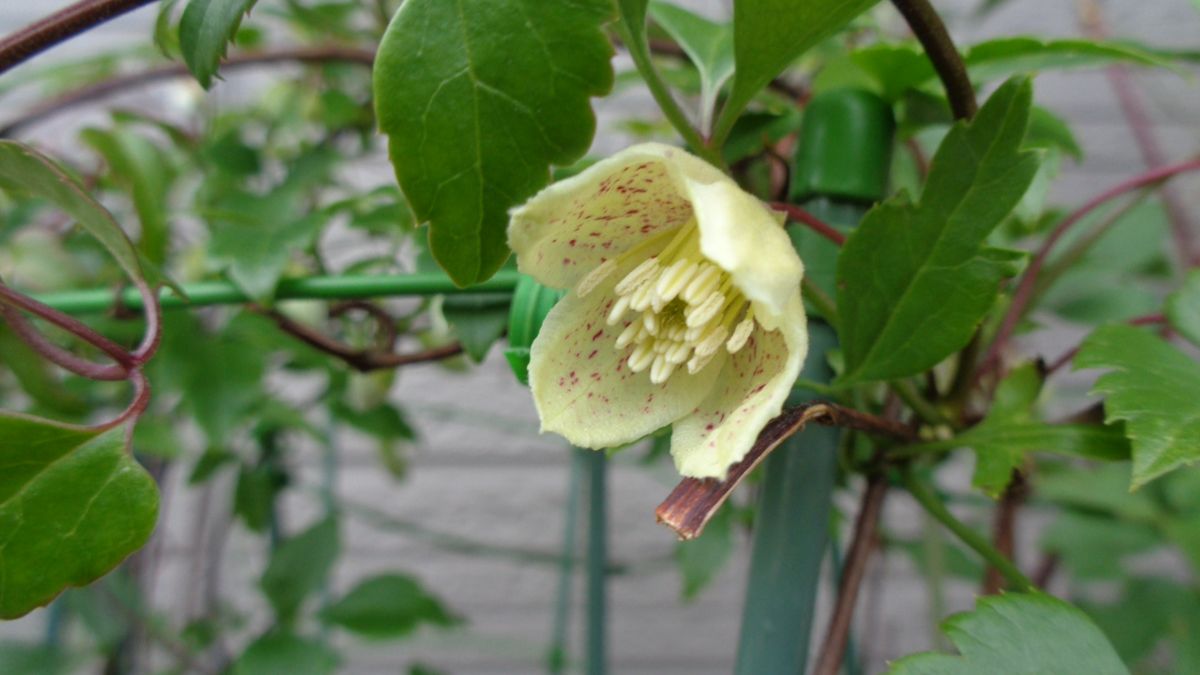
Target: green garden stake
841	168
531	302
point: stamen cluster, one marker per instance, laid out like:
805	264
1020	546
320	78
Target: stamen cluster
687	307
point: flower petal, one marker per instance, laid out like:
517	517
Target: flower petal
572	226
746	239
750	392
584	390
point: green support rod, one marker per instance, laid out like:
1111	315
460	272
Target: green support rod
335	287
841	168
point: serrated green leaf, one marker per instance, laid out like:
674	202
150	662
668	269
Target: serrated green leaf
478	99
387	606
913	279
73	504
25	170
205	29
768	35
1183	308
299	566
286	654
709	45
1155	389
702	558
1019	634
1005	57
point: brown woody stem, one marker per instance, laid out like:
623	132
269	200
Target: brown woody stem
43	34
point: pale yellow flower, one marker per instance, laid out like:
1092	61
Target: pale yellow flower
684	307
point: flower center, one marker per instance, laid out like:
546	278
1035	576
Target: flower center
688	308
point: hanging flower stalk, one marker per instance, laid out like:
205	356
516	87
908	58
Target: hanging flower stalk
684	307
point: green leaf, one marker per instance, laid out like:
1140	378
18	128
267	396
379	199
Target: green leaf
1005	57
709	45
914	279
23	169
1183	308
20	658
1019	634
702	558
139	167
478	98
478	320
1155	389
1011	430
768	35
206	27
286	654
299	566
387	606
73	505
1095	546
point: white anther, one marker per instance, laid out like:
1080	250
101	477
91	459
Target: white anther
661	370
704	282
618	310
698	362
712	341
641	357
679	353
650	321
661	346
595	277
677	332
630	335
640	300
640	274
740	335
673	281
705	311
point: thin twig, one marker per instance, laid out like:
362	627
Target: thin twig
1025	287
363	360
812	222
51	30
928	28
694	501
120	83
12	300
834	646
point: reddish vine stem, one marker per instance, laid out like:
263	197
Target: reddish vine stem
119	83
1025	287
812	222
1004	529
12	300
929	30
834	646
1142	128
43	34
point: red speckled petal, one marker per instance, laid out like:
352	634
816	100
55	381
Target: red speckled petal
568	229
583	388
750	392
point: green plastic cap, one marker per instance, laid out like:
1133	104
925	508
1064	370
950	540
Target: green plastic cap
845	147
531	302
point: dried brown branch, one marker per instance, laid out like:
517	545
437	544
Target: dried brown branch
833	648
694	501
